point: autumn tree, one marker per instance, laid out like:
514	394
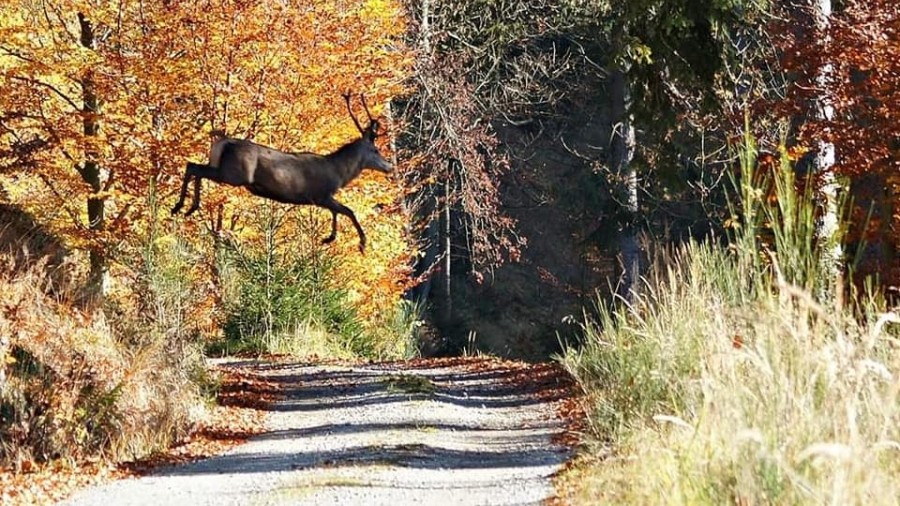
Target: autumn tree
53	116
843	95
102	105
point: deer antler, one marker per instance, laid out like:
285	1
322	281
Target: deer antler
350	110
373	123
366	107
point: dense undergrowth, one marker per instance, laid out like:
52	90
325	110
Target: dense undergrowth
739	375
78	380
125	377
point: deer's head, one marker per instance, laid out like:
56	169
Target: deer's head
371	157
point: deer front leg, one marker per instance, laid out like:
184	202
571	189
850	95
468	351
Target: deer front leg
333	228
337	207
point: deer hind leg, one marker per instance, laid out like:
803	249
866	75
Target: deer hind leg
183	194
199	171
337	207
196	203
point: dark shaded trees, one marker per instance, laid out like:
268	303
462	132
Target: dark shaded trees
669	72
664	72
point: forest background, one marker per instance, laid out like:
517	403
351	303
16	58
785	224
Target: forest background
549	156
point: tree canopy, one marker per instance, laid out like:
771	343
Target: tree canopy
104	103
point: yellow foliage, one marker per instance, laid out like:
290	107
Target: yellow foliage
168	73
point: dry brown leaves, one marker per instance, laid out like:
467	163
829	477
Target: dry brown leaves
243	397
50	483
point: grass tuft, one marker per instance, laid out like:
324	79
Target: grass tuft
409	384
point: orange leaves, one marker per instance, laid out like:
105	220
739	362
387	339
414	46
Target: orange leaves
862	83
795	153
165	74
376	281
853	67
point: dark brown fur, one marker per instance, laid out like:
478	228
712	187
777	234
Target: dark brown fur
291	178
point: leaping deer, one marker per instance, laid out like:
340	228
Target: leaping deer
291	178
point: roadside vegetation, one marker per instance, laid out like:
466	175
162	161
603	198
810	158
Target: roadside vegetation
737	375
78	381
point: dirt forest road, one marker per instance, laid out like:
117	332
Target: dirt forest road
423	432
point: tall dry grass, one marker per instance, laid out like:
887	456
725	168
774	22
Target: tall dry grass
73	384
737	377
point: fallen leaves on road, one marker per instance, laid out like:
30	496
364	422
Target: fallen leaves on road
246	392
545	381
51	483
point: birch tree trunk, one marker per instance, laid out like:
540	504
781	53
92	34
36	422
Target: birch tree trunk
828	229
622	153
447	245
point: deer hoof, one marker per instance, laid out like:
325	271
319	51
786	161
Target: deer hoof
176	209
328	239
362	248
191	210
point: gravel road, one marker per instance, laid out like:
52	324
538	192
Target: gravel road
421	432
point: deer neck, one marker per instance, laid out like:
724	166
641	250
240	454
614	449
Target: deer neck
347	163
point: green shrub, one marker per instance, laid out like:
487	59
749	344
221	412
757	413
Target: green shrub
281	294
275	299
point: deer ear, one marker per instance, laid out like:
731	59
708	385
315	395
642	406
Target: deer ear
372	130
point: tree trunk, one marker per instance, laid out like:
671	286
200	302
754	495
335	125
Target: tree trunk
91	171
622	153
4	353
431	244
425	25
828	229
446	273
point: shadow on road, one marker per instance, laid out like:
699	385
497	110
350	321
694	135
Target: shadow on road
308	389
412	456
370	385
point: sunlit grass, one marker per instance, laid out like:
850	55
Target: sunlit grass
732	379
